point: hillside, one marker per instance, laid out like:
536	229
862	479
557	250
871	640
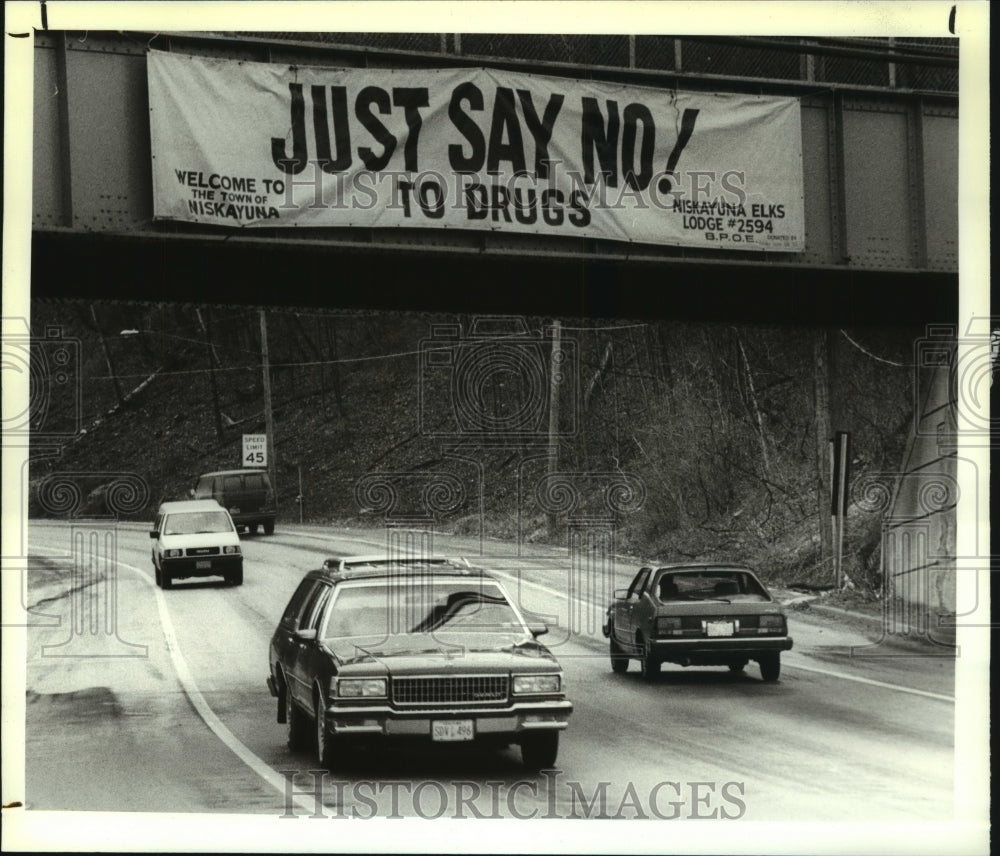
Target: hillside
688	440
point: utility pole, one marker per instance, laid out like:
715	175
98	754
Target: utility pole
555	366
206	331
823	475
268	418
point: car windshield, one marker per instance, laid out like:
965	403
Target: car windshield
710	584
196	523
422	606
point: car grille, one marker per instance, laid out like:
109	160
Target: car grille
202	551
463	689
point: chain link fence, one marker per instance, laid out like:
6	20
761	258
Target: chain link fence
906	63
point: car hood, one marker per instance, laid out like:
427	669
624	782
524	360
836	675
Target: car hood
202	539
419	653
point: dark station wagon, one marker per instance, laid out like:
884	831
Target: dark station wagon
697	615
419	649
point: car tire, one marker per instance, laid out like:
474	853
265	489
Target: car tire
165	580
770	666
539	749
324	744
235	578
296	723
156	575
619	660
649	663
269	527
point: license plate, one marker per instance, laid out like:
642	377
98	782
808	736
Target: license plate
203	564
452	729
719	628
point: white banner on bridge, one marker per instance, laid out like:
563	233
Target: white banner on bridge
247	145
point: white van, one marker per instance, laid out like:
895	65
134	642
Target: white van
195	538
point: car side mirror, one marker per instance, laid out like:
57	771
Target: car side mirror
538	628
306	634
621	594
153	533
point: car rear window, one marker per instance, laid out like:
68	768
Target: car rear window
232	483
709	585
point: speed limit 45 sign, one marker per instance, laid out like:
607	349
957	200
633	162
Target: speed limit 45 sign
255	450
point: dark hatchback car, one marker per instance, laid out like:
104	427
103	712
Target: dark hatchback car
428	650
697	615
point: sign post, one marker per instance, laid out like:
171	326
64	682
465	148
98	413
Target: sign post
840	448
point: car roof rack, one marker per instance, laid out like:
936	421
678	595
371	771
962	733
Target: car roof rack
380	565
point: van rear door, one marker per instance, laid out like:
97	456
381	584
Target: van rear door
247	492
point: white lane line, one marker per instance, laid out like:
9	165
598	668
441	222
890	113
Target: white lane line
190	687
870	682
51	550
842	675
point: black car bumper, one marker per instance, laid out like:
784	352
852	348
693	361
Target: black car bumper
670	649
207	566
254	518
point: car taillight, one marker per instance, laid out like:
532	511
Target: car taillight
668	625
772	624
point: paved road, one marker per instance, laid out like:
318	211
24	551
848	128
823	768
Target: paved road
170	711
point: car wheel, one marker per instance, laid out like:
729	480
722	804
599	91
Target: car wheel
235	578
165	580
156	574
770	666
737	665
540	749
269	527
324	745
619	661
296	722
649	663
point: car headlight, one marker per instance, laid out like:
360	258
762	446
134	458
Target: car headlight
173	554
772	624
361	688
668	625
524	684
231	549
